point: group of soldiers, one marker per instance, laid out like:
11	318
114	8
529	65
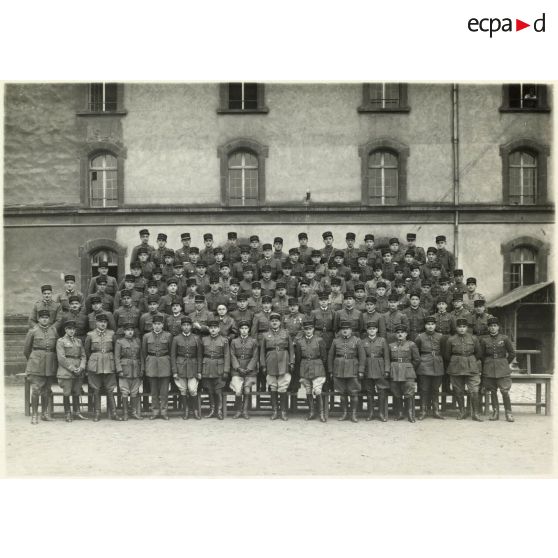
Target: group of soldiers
359	320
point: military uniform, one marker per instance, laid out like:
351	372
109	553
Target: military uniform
54	311
273	263
260	324
405	358
393	319
173	324
81	320
244	365
243	315
143	246
107	302
112	285
463	313
124	315
463	352
92	319
146	321
376	372
324	323
353	316
280	304
307	303
415	320
216	367
40	351
155	350
227	327
375	317
480	324
64	299
127	360
202	318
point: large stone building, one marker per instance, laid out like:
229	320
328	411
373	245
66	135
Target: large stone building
87	165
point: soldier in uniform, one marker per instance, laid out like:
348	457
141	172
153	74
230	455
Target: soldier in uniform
244	366
370	314
189	299
256	252
280	303
346	362
144	243
405	359
127	359
277	363
216	367
206	254
40	351
269	260
324	320
419	254
328	251
215	267
307	301
463	353
107	300
319	266
459	311
127	313
376	370
97	308
303	249
238	267
388	266
182	255
158	255
227	325
431	368
394	317
382	302
336	297
480	318
297	266
112	284
242	313
186	366
373	255
397	255
70	290
146	319
136	297
310	363
458	286
168	263
193	259
200	316
215	296
156	365
278	253
267	284
349	314
54	308
471	295
497	355
145	265
75	314
426	298
232	251
350	254
415	283
70	354
445	258
99	346
360	297
343	270
416	316
173	321
172	296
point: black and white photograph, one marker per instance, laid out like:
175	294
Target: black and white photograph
333	278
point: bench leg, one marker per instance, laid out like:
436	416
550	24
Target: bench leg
547	397
27	396
224	405
538	398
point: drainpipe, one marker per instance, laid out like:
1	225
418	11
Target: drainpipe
455	162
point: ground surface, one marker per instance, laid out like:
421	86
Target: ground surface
261	447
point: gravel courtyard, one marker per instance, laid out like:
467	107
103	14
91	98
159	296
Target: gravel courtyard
260	447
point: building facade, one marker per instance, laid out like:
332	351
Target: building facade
87	165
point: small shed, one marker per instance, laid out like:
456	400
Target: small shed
526	315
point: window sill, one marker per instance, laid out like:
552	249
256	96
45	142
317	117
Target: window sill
538	109
106	113
365	108
262	110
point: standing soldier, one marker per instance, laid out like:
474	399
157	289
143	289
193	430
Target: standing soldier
278	253
463	353
232	251
127	313
350	254
173	321
280	303
405	358
237	269
107	300
307	301
370	314
346	361
310	362
458	286
242	313
75	314
244	366
215	296
146	266
112	283
416	316
216	367
459	311
182	254
70	354
144	238
190	265
255	249
54	308
127	359
397	254
431	368
394	318
445	258
420	256
40	351
303	249
135	296
277	362
186	366
189	298
97	308
497	353
146	319
328	251
376	370
99	345
70	290
158	254
227	325
480	318
373	254
172	296
155	352
269	260
471	294
349	314
200	316
206	254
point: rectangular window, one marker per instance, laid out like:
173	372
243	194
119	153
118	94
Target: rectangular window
524	97
242	97
522	274
384	95
103	97
523	178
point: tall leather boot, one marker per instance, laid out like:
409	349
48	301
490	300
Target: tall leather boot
67	408
423	406
34	408
382	405
237	406
461	406
212	412
495	406
111	405
321	407
343	408
468	405
196	405
354	406
219	404
436	408
507	406
274	415
45	404
124	407
134	408
97	405
398	408
77	409
370	402
311	410
283	403
245	406
475	408
410	404
185	409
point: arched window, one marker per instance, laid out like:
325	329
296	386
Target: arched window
243	178
525	262
103	180
384	172
522	266
242	172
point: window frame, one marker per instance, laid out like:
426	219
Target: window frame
401	151
252	146
368	106
87	155
541	152
224	100
540	250
542	95
119	111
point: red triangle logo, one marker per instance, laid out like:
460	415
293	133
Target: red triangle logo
519	25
